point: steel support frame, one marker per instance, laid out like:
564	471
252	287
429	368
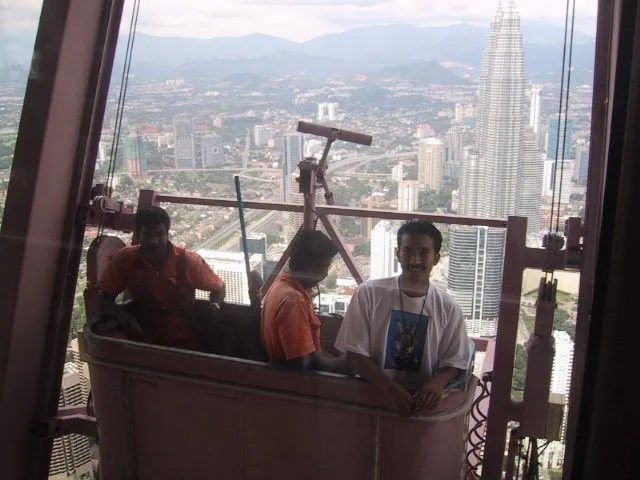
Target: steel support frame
607	40
501	407
43	225
605	417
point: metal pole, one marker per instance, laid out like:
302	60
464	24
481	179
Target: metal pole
243	228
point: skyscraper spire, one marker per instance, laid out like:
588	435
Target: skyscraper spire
489	178
501	97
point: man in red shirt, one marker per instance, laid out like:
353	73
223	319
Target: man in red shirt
162	280
290	329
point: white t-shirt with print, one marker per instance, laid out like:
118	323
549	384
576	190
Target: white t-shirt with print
410	338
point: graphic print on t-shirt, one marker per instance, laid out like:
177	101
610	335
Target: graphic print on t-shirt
405	341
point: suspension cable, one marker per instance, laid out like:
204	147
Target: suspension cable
563	102
560	105
566	113
124	83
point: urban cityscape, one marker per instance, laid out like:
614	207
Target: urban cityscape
482	139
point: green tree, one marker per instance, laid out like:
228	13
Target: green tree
363	249
78	317
127	181
349	227
273	238
431	201
555	474
519	372
562	321
331	281
392	190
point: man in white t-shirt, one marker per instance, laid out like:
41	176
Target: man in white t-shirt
404	334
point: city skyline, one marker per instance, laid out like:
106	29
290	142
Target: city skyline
302	20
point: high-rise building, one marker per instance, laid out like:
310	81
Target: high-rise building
469	177
327	111
292	155
332	303
559	144
184	142
425	131
543	128
73	350
530	176
256	245
534	111
450	173
500	128
563	171
488	182
562	367
262	134
231	268
313	147
375	201
453	144
458	113
547	182
102	153
384	244
71	454
133	156
332	111
475	276
212	151
430	160
562	363
408	196
397	172
581	165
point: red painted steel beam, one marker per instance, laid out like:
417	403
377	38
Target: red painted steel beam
66	424
501	407
42	229
336	210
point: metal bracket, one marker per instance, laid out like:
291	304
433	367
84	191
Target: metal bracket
572	256
69	421
575	248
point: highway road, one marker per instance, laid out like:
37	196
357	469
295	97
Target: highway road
256	226
256	219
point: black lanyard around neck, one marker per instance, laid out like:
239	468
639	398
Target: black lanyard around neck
424	302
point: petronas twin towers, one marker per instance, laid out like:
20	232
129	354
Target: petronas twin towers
489	180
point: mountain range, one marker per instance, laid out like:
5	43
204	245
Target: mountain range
372	51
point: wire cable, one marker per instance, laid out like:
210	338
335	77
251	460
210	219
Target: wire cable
124	83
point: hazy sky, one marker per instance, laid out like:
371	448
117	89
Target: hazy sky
304	19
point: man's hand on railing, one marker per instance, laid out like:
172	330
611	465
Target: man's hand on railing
401	400
255	287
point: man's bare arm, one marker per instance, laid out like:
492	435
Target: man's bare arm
317	361
401	399
368	370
